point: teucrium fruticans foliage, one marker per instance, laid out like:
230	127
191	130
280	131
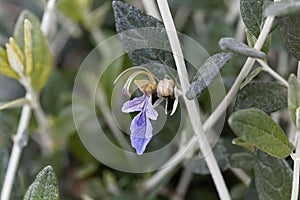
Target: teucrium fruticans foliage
45	186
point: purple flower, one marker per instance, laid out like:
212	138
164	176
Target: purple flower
141	128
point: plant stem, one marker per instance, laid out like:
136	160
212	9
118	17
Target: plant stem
192	106
19	141
183	184
178	157
268	69
295	188
48	18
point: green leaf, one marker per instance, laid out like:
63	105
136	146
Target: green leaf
293	96
128	17
207	73
273	177
266	96
242	160
290	31
252	14
42	60
5	68
233	45
257	128
194	4
199	166
13	104
283	8
77	10
45	186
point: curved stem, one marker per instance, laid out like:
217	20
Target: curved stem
19	141
268	69
192	106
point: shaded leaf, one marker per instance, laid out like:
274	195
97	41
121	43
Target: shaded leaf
233	45
290	31
139	30
257	128
199	166
251	39
293	96
212	4
207	73
42	60
251	193
283	8
242	160
266	96
45	186
273	177
5	68
252	14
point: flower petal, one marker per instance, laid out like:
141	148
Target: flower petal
134	105
141	132
150	111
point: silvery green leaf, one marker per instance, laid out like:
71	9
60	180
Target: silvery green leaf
290	31
45	186
283	8
137	30
252	14
273	177
207	73
266	96
233	45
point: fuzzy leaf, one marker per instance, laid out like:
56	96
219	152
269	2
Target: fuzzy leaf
5	68
42	60
45	186
266	96
252	14
131	24
293	96
290	31
199	166
283	8
257	128
233	45
273	177
242	160
207	73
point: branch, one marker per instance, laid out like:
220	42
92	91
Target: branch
20	141
192	106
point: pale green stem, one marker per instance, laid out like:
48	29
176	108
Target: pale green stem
19	141
268	69
192	106
295	188
179	156
184	182
296	171
49	18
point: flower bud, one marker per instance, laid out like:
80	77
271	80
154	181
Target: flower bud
165	87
